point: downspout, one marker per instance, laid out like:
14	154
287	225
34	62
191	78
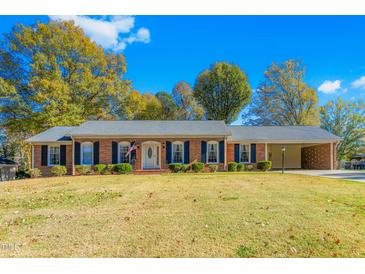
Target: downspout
32	156
225	153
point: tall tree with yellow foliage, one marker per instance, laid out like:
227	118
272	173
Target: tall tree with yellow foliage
283	98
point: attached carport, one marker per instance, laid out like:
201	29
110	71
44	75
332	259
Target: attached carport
306	147
302	155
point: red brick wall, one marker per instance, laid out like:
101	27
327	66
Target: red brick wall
317	157
260	152
230	153
106	148
46	170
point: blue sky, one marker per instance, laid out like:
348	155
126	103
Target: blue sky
162	50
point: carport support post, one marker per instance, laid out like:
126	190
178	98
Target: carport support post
282	158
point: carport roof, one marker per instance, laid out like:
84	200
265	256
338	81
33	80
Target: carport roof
292	134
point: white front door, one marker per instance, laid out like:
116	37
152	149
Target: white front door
151	156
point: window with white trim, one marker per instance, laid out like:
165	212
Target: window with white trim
123	151
212	149
244	153
177	152
53	155
87	154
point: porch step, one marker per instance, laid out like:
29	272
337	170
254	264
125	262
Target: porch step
148	171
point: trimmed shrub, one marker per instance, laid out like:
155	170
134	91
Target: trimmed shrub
240	167
34	172
99	169
175	167
249	167
59	170
122	168
264	165
83	170
213	168
185	168
232	166
109	169
197	167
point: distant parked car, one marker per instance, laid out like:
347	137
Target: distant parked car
8	169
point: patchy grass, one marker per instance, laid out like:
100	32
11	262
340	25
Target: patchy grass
183	215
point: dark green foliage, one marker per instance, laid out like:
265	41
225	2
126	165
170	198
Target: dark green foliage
122	168
185	168
240	167
213	168
99	169
197	166
21	174
175	167
232	166
264	165
109	169
223	90
59	170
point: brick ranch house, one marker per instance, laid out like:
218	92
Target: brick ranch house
158	143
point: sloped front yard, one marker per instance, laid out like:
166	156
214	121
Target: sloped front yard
198	215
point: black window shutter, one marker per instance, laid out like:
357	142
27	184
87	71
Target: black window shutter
96	153
114	153
168	152
44	155
221	151
133	155
253	153
186	152
237	153
204	151
77	153
63	155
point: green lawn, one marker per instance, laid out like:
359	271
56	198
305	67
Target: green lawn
197	215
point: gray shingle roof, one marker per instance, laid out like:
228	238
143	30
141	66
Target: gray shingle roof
52	135
281	133
152	128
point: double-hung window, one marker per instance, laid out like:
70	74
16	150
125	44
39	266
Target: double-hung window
177	152
87	154
53	155
244	153
123	151
212	152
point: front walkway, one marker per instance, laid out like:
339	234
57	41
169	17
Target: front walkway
353	175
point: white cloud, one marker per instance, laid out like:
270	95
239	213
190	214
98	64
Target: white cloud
359	83
108	33
330	87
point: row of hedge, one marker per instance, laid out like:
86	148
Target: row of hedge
99	169
102	169
261	165
195	167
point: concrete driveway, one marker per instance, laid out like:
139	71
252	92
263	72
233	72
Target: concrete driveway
353	175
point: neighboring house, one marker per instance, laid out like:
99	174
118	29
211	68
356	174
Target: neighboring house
158	143
7	169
